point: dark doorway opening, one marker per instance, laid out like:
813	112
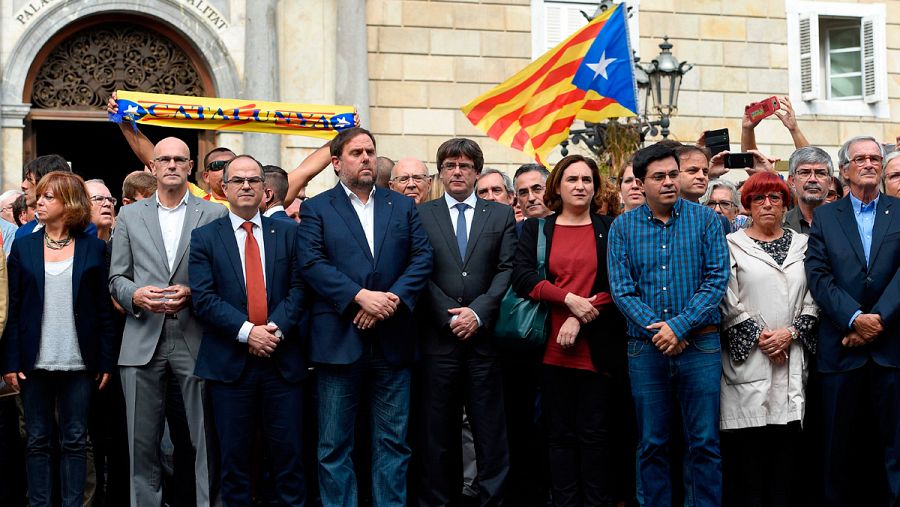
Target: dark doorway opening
96	149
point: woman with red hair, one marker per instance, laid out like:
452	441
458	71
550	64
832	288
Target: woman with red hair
769	325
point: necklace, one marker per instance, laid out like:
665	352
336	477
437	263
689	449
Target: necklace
56	244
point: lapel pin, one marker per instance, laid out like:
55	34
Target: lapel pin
887	211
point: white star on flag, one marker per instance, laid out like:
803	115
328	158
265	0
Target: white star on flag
599	68
132	109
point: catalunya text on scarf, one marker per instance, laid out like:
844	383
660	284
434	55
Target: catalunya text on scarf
238	115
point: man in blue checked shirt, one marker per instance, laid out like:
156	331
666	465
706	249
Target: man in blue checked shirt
668	270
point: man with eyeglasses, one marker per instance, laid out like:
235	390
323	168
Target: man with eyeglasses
853	270
409	176
493	185
148	277
668	271
247	289
474	242
810	176
103	208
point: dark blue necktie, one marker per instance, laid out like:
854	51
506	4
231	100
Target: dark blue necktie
461	239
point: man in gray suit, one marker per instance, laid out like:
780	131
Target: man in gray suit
148	277
474	242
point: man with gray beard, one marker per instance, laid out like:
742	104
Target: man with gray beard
809	174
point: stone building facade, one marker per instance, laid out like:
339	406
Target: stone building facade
410	64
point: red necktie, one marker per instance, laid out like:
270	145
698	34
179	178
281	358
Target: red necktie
257	310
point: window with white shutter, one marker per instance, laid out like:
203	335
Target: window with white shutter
837	58
553	21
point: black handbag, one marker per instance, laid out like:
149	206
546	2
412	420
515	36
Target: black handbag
522	322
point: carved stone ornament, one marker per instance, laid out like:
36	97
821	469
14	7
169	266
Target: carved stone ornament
84	69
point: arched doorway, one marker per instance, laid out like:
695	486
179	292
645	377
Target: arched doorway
77	70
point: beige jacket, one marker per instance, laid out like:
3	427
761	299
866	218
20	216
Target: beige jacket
757	392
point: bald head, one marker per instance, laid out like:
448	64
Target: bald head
172	163
410	177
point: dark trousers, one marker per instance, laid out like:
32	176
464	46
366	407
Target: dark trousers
862	436
259	397
529	471
448	382
56	399
577	409
109	438
12	455
759	465
179	489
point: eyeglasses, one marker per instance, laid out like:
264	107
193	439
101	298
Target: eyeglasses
773	198
465	166
167	160
418	179
661	177
99	199
537	190
216	165
253	180
861	159
819	174
723	205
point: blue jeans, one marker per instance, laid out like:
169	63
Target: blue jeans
385	387
690	380
44	394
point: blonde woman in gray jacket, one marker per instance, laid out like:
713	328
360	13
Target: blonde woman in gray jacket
769	327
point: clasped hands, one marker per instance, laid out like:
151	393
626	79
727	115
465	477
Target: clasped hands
666	340
866	328
583	312
374	306
775	344
263	339
168	300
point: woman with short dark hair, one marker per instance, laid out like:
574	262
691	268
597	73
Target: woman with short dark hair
59	339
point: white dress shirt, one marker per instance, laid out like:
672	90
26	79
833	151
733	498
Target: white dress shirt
366	214
171	222
240	235
472	200
454	213
271	211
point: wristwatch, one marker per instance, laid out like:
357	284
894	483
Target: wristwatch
793	331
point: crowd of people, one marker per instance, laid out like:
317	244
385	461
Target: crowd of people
706	343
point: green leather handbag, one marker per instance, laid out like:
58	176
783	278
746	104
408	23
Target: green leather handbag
522	322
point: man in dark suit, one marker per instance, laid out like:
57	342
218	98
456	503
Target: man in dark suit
367	257
247	290
474	241
276	189
853	270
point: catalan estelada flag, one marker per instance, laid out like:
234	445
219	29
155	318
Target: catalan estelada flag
589	76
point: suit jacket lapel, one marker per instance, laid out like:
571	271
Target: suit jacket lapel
192	215
154	230
479	218
78	261
269	245
384	208
34	253
341	204
883	219
847	219
441	214
226	234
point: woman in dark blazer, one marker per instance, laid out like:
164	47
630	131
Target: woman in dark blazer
580	356
58	345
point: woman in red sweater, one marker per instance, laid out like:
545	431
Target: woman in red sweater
576	387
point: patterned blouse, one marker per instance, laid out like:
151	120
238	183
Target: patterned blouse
742	337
